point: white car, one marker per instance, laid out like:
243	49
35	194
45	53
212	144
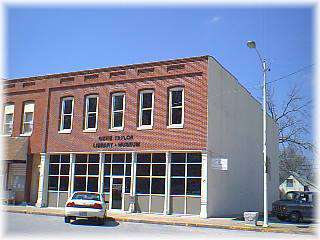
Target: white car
90	205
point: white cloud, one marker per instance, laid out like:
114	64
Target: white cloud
215	19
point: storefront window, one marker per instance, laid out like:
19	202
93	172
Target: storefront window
150	172
86	172
186	174
59	168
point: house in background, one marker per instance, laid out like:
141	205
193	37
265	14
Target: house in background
296	182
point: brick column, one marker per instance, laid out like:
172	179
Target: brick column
43	180
204	186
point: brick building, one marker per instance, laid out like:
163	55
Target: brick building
173	137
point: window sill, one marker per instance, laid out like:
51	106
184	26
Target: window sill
89	130
25	134
6	135
175	126
116	129
65	131
145	127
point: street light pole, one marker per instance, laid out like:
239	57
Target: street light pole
265	170
252	44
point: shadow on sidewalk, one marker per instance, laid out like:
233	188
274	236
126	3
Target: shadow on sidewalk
272	219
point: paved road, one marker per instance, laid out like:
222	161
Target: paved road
39	226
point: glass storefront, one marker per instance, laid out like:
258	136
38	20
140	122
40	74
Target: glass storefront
118	178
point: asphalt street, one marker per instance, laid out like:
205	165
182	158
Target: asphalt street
27	226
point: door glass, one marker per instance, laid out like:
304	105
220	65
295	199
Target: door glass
117	193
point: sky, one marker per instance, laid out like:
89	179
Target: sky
44	40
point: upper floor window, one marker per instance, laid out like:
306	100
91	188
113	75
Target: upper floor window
176	107
28	115
289	182
146	109
117	111
8	119
66	114
91	113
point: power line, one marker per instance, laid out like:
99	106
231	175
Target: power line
290	74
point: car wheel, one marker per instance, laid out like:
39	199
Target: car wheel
295	217
282	218
67	219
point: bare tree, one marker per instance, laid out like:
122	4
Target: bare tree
292	119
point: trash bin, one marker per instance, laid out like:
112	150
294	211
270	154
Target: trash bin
251	218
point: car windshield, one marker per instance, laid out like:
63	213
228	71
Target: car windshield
86	196
291	196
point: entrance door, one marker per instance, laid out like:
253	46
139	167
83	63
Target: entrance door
117	193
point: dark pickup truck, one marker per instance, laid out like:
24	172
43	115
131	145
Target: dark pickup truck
295	206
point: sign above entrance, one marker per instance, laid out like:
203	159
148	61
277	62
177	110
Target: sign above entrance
120	141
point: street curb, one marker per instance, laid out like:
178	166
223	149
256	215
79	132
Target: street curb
206	225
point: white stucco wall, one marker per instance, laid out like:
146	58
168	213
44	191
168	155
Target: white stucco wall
235	133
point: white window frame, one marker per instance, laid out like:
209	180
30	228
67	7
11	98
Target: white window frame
61	130
24	118
170	125
86	129
112	128
141	127
4	119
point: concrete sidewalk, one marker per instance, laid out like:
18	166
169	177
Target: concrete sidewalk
222	223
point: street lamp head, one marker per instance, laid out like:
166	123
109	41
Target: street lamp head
251	44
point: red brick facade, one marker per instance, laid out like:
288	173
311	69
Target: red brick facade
47	91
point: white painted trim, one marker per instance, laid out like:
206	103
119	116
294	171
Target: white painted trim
204	186
25	135
112	128
101	172
43	180
170	125
133	180
71	174
142	127
10	110
110	195
86	129
28	107
90	130
61	129
65	131
166	208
